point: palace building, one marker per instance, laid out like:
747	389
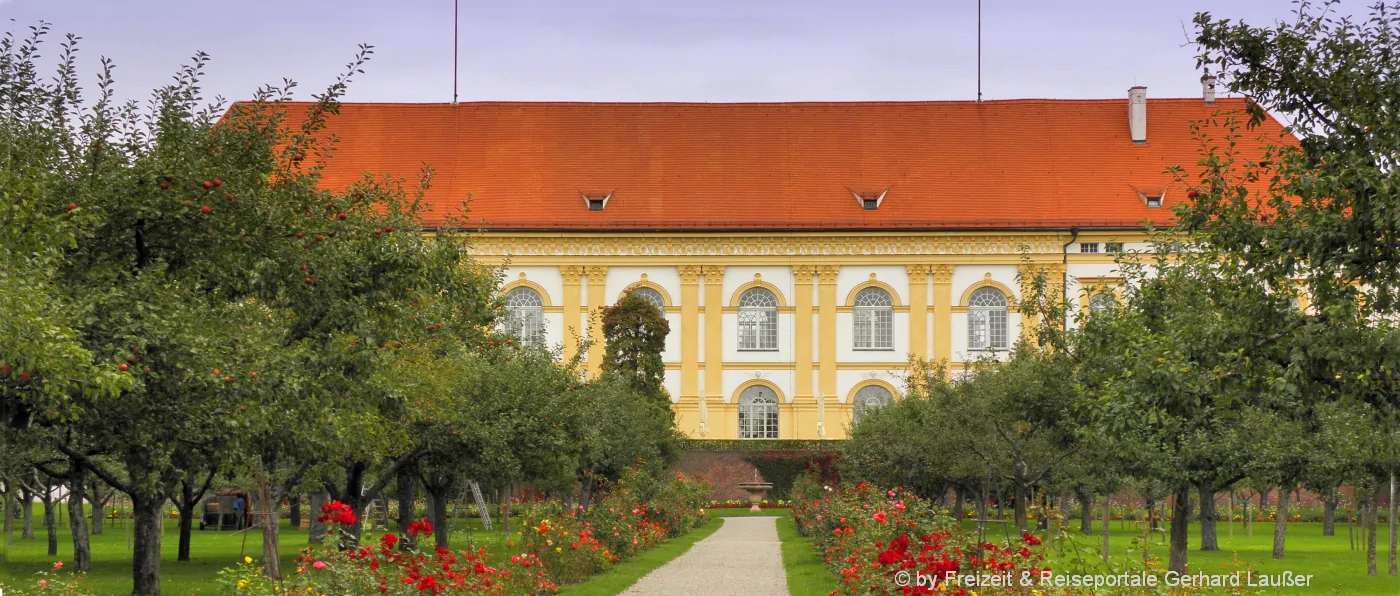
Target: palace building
802	252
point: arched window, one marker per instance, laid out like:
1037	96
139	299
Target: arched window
652	297
986	320
758	320
874	320
869	398
1101	302
524	314
758	413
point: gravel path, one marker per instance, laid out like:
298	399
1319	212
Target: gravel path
742	558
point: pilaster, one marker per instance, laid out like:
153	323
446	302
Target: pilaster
597	299
802	336
573	275
690	333
714	335
826	327
918	310
942	311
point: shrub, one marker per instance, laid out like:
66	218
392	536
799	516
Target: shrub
868	536
782	467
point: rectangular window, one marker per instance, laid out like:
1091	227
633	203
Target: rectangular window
987	329
1088	247
758	330
1113	247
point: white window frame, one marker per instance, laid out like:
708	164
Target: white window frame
524	314
872	320
758	413
988	320
758	320
868	398
652	297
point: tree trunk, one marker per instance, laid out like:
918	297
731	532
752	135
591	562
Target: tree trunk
958	496
407	497
1329	513
1020	507
1209	540
1264	499
1152	514
1281	522
186	511
26	512
316	529
1086	513
1181	511
77	522
294	511
9	516
1372	509
1391	522
98	502
1107	508
145	556
438	513
49	524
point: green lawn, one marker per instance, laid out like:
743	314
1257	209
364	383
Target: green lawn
210	551
1337	569
807	575
626	573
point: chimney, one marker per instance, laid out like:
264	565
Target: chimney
1208	89
1137	113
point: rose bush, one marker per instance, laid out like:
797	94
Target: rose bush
868	535
557	545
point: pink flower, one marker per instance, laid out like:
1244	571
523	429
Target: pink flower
58	564
319	565
43	583
879	516
899	505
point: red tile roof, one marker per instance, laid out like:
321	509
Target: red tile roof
697	166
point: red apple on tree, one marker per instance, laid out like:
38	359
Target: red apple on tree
205	210
122	367
207	185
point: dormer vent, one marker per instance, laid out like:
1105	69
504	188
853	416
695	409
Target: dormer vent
1151	197
869	201
596	202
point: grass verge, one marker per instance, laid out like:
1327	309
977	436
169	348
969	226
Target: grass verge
807	575
623	575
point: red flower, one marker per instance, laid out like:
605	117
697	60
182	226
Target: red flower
1030	539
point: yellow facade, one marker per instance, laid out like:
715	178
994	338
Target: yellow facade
815	277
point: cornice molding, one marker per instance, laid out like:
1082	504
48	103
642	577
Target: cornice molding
786	246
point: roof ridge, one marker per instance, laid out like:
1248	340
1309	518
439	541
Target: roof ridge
892	102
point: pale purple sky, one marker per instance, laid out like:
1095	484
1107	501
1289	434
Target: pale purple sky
640	50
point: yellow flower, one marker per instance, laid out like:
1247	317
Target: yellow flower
247	559
242	583
558	549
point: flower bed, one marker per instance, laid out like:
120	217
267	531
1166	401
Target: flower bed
872	537
557	545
